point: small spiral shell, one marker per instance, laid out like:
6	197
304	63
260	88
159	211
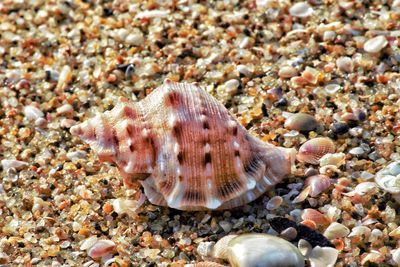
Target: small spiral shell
314	149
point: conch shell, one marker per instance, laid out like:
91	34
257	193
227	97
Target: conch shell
186	149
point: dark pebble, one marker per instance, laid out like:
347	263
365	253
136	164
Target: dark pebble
313	237
340	128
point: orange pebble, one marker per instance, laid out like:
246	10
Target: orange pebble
107	208
310	224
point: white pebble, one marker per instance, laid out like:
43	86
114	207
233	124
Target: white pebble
332	88
64	78
287	72
329	36
205	248
243	69
135	39
345	64
356	151
12	163
64	109
301	10
101	248
375	44
32	112
152	14
231	86
75	155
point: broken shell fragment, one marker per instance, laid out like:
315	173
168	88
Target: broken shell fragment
389	179
336	230
318	184
301	122
315	216
101	248
251	250
170	142
313	150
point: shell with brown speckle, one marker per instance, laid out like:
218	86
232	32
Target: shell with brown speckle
186	149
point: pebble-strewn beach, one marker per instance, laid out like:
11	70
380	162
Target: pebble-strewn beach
289	71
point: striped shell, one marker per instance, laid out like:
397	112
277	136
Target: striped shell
314	149
186	149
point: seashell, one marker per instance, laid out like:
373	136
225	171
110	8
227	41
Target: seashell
301	122
301	10
251	250
13	163
185	149
389	179
314	149
323	257
360	230
316	216
318	184
375	44
101	248
335	159
336	230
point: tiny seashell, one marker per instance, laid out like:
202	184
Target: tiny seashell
170	143
345	64
12	163
375	44
303	195
101	248
335	159
363	188
360	230
313	150
318	184
274	203
323	256
304	247
301	122
316	216
127	206
301	10
32	113
251	250
336	230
